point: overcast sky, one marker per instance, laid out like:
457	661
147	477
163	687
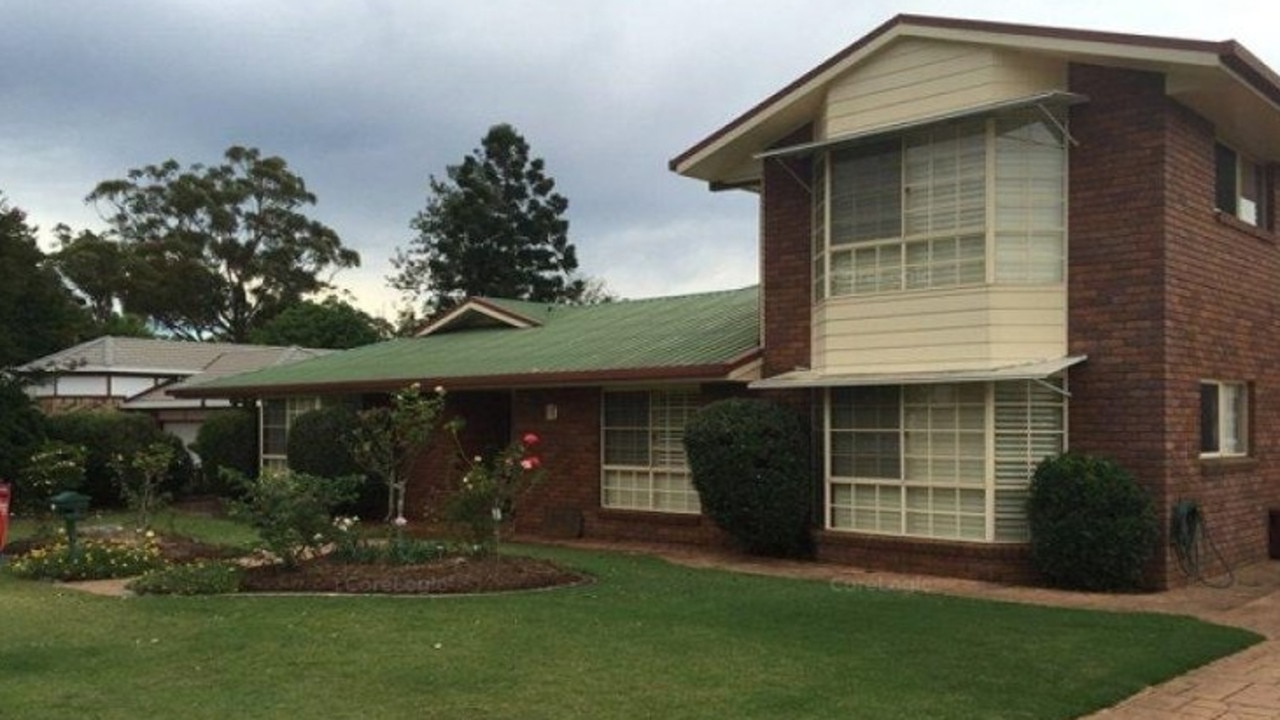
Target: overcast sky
365	100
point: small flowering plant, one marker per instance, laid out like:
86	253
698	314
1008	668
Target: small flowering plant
490	490
352	547
388	439
52	468
95	560
140	478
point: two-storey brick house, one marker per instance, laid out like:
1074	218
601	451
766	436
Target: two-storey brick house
984	243
980	244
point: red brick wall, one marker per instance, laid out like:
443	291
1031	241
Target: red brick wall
1116	273
785	270
570	453
1221	301
1163	293
993	563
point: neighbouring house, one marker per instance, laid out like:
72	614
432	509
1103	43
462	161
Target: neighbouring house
980	244
138	375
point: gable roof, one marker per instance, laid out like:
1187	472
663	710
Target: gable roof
485	312
724	158
129	355
690	337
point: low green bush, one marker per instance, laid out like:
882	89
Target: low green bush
204	577
94	560
292	511
1093	527
750	465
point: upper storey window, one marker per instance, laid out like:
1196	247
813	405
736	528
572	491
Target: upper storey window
1240	186
953	204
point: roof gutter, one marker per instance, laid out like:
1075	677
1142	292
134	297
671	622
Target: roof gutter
717	372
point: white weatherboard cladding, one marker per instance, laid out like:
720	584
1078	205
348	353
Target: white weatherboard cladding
964	328
81	386
917	77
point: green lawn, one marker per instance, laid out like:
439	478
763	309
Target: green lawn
649	639
217	530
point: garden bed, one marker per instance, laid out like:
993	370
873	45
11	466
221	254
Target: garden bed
450	575
447	575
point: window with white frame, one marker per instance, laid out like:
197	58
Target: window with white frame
926	209
948	461
1224	419
1240	185
644	466
276	418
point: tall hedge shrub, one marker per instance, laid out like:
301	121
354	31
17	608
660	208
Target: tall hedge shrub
1093	527
107	433
750	465
227	439
320	445
22	428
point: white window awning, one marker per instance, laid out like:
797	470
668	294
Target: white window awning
1052	97
1038	370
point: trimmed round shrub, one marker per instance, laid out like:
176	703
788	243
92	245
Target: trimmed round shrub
319	442
227	439
107	433
1093	527
320	445
750	465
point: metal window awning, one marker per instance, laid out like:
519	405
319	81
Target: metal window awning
1052	97
1038	370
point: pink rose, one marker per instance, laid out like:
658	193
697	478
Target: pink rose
530	439
530	463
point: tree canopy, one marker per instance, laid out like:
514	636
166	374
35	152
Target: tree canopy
95	268
38	314
215	251
494	227
332	323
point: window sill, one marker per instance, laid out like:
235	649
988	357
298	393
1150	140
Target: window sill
1231	221
1215	466
657	517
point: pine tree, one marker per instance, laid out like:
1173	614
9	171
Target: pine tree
495	228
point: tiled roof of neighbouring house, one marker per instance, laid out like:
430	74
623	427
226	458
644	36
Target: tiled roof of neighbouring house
161	357
690	336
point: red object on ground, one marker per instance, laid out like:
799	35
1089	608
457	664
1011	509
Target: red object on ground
4	513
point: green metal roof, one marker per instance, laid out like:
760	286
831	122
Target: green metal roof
707	334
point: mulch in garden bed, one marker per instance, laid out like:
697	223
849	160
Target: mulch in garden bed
454	575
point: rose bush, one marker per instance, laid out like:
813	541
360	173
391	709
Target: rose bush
490	491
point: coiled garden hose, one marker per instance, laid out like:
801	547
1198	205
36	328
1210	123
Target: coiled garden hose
1192	543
